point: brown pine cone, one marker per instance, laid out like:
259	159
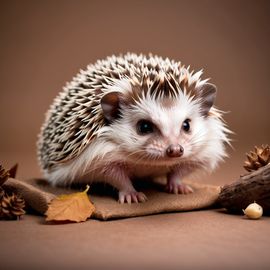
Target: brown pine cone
4	175
11	206
258	158
2	193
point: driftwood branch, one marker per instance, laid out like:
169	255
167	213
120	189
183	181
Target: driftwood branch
254	186
35	198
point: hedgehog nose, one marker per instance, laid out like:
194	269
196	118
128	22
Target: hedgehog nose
175	150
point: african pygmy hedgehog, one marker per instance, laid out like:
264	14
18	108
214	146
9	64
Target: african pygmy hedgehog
132	117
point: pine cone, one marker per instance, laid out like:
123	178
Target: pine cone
11	206
4	175
258	158
2	193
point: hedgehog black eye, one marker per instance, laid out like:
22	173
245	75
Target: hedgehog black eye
145	127
186	125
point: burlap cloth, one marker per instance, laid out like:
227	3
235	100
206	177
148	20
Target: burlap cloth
38	193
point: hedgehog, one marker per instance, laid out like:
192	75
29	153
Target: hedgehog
132	118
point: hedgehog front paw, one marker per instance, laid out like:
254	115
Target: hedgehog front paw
131	197
178	188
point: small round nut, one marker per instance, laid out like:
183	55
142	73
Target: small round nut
253	211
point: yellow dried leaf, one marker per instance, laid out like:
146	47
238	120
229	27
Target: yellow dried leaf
74	207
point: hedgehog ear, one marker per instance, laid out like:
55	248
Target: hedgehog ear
207	93
110	104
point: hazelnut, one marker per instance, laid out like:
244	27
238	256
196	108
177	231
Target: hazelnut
253	211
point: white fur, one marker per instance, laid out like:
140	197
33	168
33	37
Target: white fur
67	173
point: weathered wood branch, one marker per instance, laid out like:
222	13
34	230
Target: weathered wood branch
254	186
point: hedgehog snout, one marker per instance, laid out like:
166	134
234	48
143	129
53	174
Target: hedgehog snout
174	150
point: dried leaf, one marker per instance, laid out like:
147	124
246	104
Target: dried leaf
74	207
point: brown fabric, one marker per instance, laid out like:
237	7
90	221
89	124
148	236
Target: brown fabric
38	193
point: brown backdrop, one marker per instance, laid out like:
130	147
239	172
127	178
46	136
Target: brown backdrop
45	43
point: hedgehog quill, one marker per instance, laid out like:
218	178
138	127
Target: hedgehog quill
132	117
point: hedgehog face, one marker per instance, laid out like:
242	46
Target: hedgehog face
160	128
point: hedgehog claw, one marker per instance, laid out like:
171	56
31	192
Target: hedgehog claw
131	197
178	188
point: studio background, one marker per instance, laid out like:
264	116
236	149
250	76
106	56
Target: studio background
45	43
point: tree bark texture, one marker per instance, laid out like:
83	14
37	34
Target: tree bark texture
254	186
